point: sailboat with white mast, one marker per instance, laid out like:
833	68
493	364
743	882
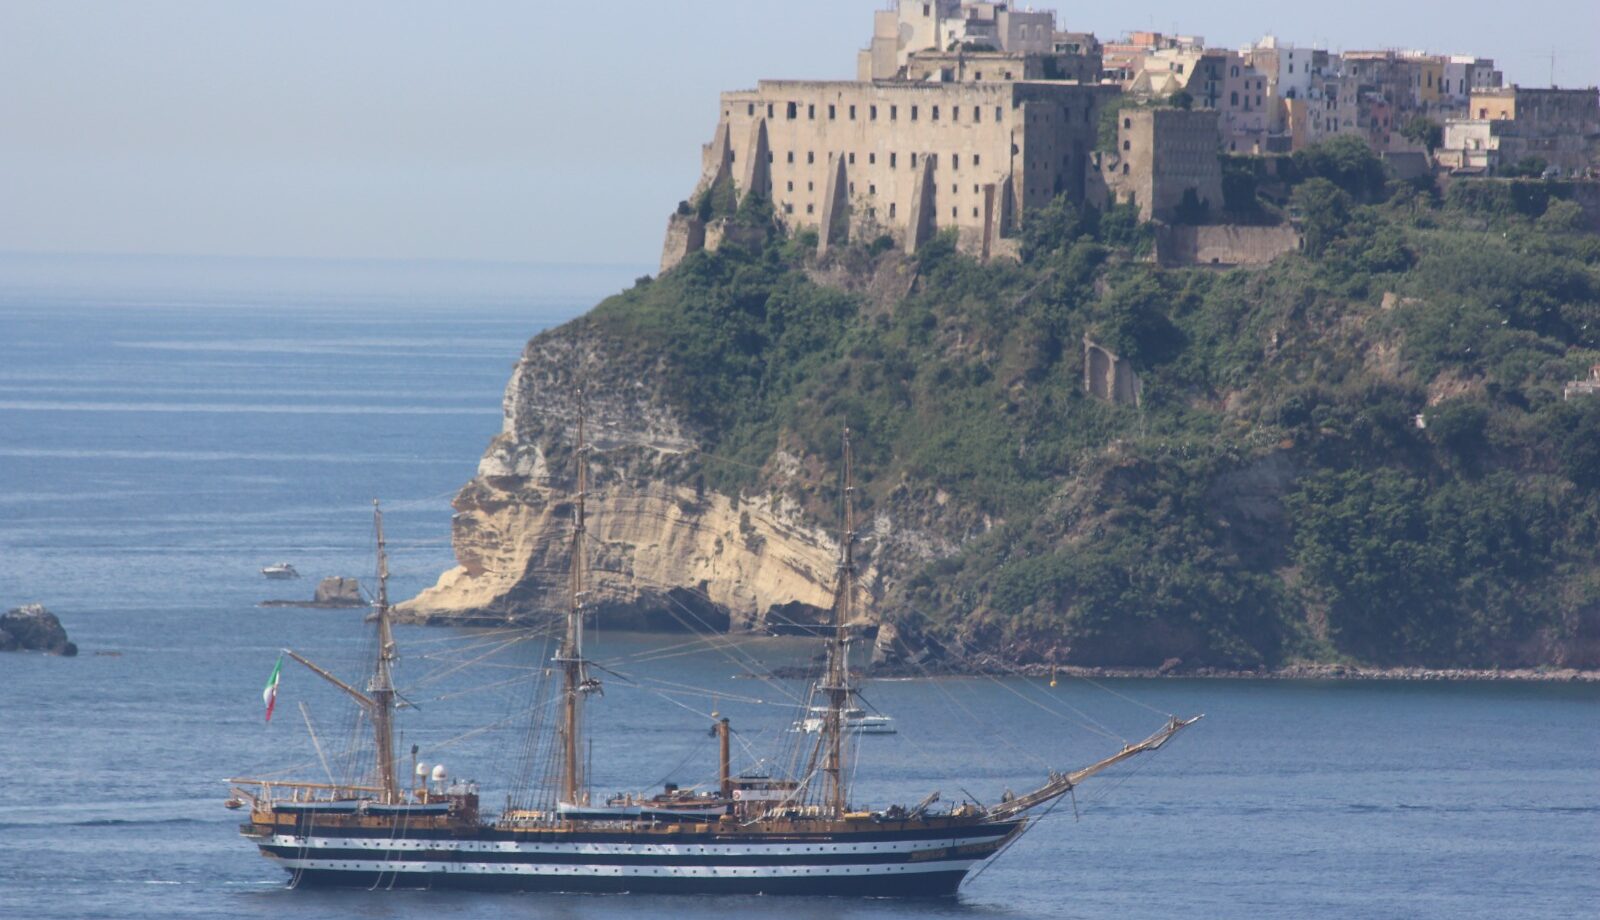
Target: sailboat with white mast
803	834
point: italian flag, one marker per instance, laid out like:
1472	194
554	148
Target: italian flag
269	693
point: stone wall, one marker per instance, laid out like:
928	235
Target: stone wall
1224	244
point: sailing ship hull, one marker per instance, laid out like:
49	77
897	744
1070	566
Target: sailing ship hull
920	862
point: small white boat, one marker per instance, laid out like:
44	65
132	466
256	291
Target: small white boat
856	721
280	570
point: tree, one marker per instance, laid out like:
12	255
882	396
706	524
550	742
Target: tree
1324	210
1423	130
1346	161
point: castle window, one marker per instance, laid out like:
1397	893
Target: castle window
1008	75
977	113
872	112
852	113
790	155
891	210
791	186
954	213
891	160
955	189
974	159
955	113
977	76
811	209
1124	169
894	112
1127	145
913	113
811	186
788	208
769	110
794	110
998	113
955	161
852	188
811	156
872	159
974	212
830	113
935	113
811	112
913	161
1127	122
750	109
872	190
851	158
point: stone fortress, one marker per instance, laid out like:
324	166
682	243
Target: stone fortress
962	116
965	115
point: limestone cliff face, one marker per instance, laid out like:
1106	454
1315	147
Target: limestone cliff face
664	553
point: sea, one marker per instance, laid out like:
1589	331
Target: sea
169	426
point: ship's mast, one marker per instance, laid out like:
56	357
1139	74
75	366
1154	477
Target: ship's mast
381	687
575	681
837	682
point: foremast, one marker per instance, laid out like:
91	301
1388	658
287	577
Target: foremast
836	681
381	687
379	698
575	680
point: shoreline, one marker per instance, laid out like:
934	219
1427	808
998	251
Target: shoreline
1287	672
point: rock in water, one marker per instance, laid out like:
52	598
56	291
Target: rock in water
34	628
335	590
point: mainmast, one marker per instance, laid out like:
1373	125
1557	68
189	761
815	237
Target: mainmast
575	680
381	688
837	682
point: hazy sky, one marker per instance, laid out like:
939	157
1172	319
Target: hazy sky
516	130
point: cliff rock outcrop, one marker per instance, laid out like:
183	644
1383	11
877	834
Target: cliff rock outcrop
664	552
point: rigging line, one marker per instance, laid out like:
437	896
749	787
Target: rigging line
998	735
437	676
1088	720
467	636
703	694
473	733
719	694
731	651
693	752
509	681
1121	696
1032	702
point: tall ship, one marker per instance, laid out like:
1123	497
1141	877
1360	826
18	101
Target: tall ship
797	834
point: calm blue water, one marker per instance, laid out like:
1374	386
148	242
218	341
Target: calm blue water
168	427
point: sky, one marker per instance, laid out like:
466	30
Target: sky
497	130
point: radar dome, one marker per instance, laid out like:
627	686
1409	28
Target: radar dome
439	773
422	769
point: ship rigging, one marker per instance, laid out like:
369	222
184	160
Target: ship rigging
752	832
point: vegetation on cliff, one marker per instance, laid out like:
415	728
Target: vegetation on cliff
1359	453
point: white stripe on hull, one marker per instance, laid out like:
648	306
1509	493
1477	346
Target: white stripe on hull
614	871
816	848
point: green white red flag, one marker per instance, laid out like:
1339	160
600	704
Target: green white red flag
269	694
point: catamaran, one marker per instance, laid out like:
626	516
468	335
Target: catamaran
798	834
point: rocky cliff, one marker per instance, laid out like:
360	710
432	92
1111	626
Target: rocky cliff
666	551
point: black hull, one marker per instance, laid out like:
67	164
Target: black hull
860	859
925	885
